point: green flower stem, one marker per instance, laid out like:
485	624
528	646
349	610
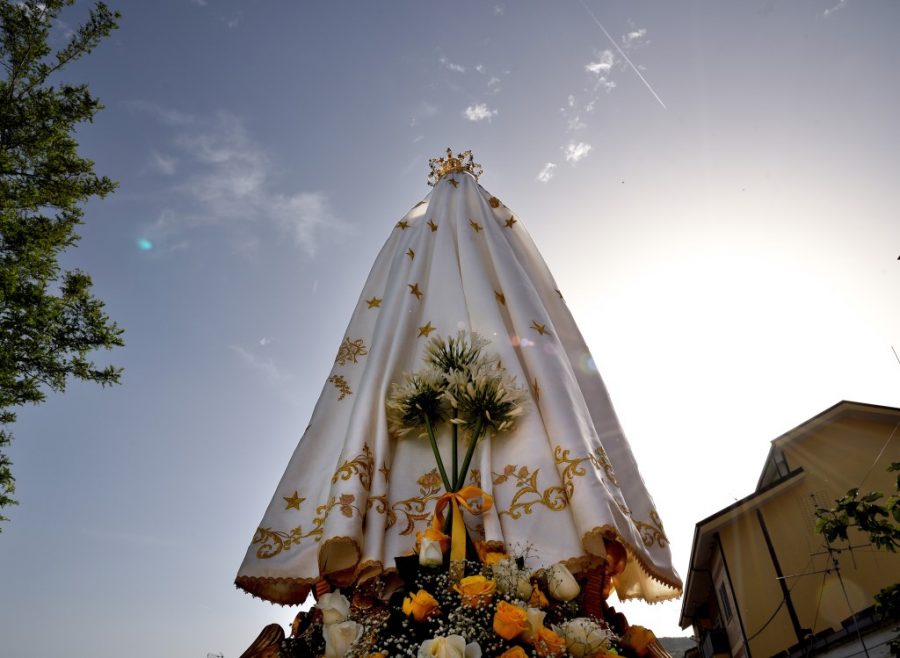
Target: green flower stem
437	454
461	476
454	465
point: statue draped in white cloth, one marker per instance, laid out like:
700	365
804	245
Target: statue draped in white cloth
562	479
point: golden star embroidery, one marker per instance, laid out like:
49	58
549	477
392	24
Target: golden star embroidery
425	330
453	182
510	222
500	297
375	302
402	225
432	226
293	502
414	290
537	390
494	202
411	253
540	328
350	350
475	225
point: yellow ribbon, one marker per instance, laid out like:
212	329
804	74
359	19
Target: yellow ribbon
458	532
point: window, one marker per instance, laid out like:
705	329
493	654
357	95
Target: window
725	602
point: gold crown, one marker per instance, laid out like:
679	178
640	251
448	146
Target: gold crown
453	164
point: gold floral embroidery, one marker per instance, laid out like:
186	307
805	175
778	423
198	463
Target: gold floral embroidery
360	466
274	542
528	493
350	350
600	460
652	533
341	385
432	226
572	469
475	225
412	510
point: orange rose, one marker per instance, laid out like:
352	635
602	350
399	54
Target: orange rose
638	639
475	590
377	655
420	605
509	620
515	652
538	599
548	644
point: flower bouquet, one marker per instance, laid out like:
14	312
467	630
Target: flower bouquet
500	610
454	597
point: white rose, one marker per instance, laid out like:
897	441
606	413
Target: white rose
561	584
340	637
535	619
451	646
334	606
584	637
430	553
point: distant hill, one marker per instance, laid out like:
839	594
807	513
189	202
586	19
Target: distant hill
677	645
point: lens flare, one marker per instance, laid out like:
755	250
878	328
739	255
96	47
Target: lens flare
144	244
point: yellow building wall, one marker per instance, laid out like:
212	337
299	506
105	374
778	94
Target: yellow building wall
834	458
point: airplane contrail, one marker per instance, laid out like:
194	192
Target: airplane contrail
622	53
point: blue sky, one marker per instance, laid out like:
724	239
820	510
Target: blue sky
725	232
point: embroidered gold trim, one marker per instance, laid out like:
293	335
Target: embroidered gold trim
411	510
601	460
341	385
360	466
652	532
350	350
528	494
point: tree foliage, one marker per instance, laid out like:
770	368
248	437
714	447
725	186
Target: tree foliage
879	519
50	322
872	514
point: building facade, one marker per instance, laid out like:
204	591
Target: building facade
763	583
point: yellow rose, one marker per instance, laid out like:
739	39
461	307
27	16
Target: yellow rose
638	639
548	644
515	652
509	620
492	557
538	599
475	590
420	605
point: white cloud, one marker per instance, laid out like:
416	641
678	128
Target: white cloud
547	172
164	164
479	112
499	10
200	3
164	115
479	68
265	366
603	65
228	183
633	37
577	152
493	82
840	5
459	68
